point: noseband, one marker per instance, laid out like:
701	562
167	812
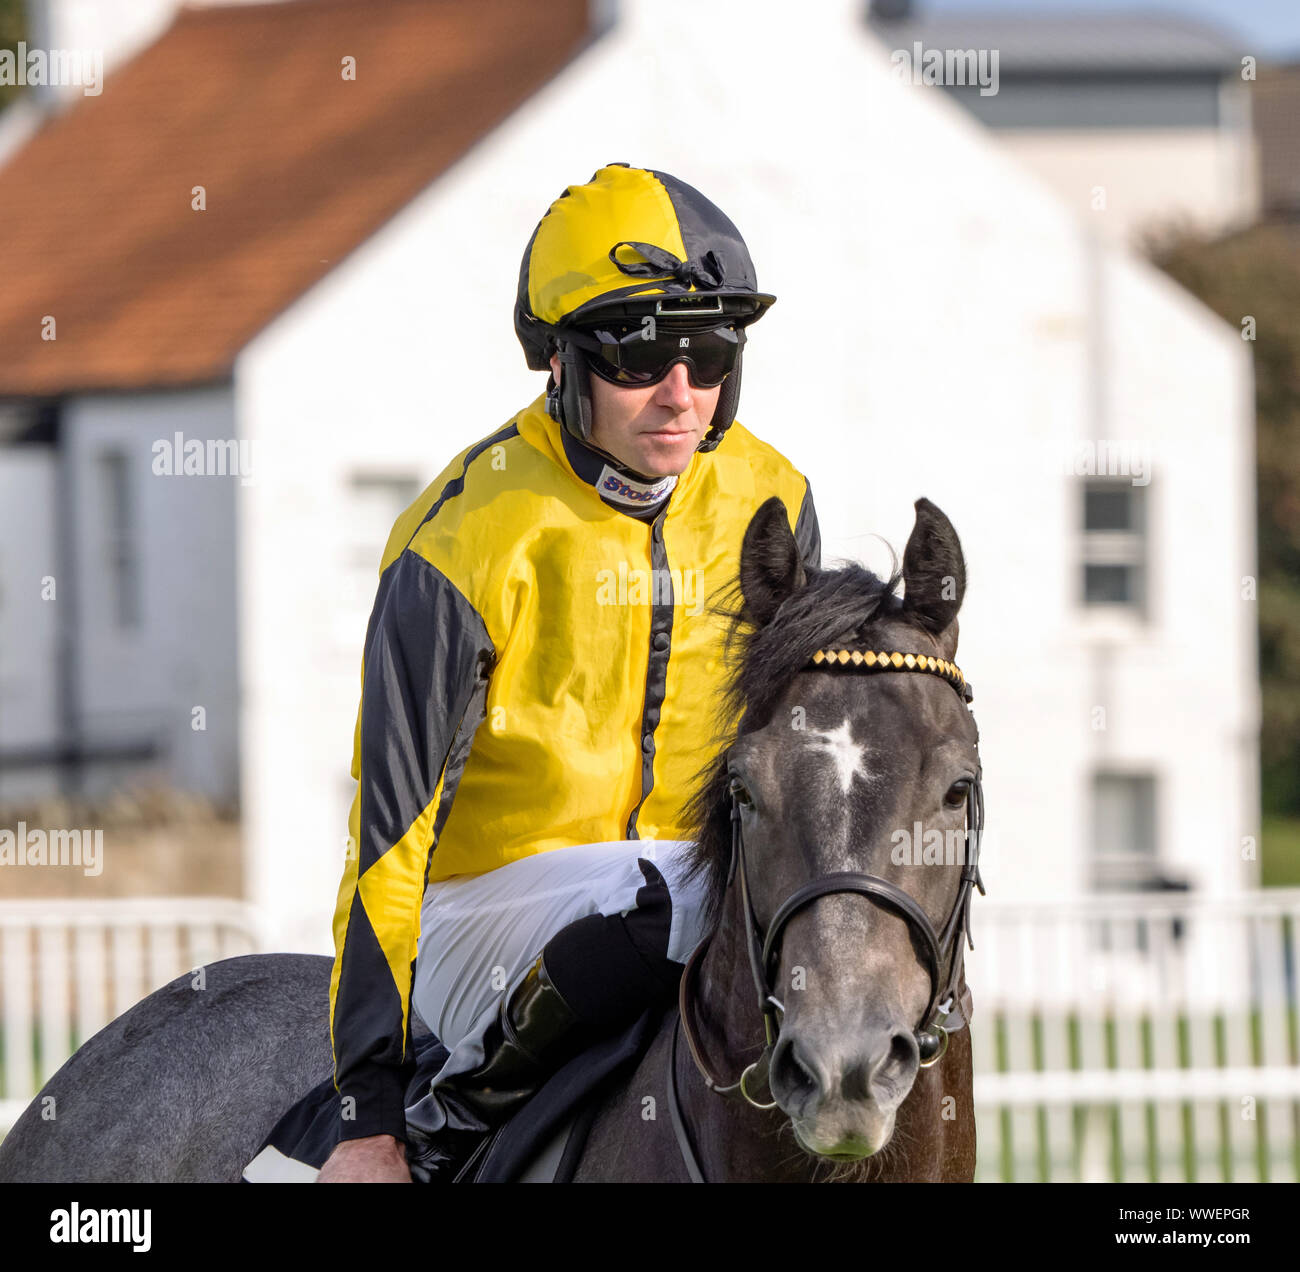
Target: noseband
943	1012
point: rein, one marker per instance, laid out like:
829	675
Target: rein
943	1013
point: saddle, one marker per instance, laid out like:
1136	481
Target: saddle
543	1140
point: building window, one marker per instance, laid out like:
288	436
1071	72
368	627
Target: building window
1123	829
122	560
1126	858
1114	545
375	502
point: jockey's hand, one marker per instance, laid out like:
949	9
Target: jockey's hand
374	1159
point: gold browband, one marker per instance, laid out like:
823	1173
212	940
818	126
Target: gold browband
892	660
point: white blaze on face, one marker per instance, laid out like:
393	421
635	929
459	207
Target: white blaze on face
846	754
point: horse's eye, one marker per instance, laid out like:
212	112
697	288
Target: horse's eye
740	794
957	793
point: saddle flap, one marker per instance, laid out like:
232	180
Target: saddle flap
567	1092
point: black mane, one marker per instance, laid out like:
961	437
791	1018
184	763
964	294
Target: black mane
835	607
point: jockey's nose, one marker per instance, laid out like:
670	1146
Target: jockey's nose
674	390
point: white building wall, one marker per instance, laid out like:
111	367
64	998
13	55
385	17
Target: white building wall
937	333
1135	181
29	713
140	683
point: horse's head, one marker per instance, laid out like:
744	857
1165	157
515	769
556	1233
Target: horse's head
835	771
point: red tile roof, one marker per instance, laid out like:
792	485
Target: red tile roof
299	166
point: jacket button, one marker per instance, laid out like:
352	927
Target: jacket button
647	743
661	641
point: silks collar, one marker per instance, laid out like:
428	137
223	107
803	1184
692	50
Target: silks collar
618	486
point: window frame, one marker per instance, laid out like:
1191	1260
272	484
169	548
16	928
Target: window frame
1129	549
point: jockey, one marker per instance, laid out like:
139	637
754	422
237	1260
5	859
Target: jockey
538	682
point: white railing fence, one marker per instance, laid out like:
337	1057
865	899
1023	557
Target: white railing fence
1121	1037
1138	1037
69	967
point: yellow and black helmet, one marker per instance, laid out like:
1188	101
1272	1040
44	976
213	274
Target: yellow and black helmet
631	242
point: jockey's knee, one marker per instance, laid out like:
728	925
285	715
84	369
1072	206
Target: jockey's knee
611	967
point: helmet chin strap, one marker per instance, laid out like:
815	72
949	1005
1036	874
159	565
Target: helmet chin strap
621	466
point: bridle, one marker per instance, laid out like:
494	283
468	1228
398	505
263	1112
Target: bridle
943	1014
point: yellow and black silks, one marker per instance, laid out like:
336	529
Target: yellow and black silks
539	672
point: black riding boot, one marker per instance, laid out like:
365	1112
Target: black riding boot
535	1032
609	968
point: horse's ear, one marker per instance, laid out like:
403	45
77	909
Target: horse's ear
934	574
770	568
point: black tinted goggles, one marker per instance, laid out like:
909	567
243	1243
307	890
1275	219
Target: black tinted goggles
642	354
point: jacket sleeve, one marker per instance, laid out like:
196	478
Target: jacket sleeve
424	674
807	533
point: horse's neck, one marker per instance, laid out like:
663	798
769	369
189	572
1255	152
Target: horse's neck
735	1141
725	1003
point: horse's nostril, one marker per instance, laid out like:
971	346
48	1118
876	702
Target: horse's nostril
793	1076
883	1075
899	1066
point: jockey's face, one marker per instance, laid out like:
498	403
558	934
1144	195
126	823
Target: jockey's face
654	429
